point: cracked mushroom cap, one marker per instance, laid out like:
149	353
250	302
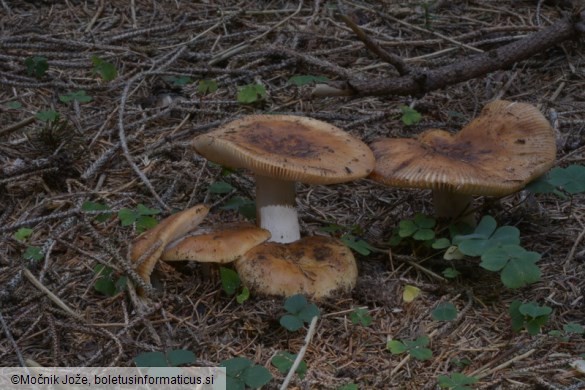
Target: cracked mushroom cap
315	266
291	148
148	247
499	152
222	244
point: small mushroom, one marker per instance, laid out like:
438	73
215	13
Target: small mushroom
314	266
498	153
281	150
222	244
147	248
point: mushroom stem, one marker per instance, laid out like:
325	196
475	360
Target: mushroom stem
452	205
275	209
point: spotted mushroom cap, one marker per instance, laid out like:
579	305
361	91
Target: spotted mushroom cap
499	152
291	148
219	244
314	266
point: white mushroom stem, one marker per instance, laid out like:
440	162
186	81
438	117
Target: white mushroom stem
451	205
275	209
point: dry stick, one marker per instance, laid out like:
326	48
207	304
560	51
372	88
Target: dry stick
51	296
503	365
301	353
11	339
475	66
371	45
571	254
12	128
97	14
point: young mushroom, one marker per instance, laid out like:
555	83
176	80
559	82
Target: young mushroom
498	153
314	266
281	150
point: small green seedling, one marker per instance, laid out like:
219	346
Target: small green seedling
500	252
36	66
22	234
240	372
251	93
300	312
178	81
300	80
172	358
78	96
89	206
106	282
568	330
410	116
416	348
349	386
47	115
230	282
420	228
244	206
283	362
529	315
360	316
220	187
142	217
106	70
31	252
456	381
445	311
350	237
207	86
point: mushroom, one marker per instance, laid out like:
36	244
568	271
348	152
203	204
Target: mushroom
222	244
314	266
147	248
496	154
281	150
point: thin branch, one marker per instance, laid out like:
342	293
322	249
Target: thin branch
419	83
301	353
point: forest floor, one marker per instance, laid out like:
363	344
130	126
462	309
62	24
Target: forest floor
118	143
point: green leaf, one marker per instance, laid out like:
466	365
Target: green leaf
450	273
396	347
93	206
357	244
308	312
533	325
121	283
456	381
251	93
424	221
244	206
283	361
516	316
531	309
178	81
243	296
143	210
127	216
445	311
360	316
421	353
104	69
521	272
409	116
235	366
419	342
105	286
33	253
177	357
441	243
36	66
143	223
102	271
300	80
424	235
574	328
220	187
230	281
570	179
541	186
22	234
47	116
486	236
151	359
291	322
14	105
294	304
207	86
407	228
256	376
79	96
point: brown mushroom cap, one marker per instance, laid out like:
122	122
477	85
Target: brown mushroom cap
291	148
222	244
496	154
314	266
152	242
